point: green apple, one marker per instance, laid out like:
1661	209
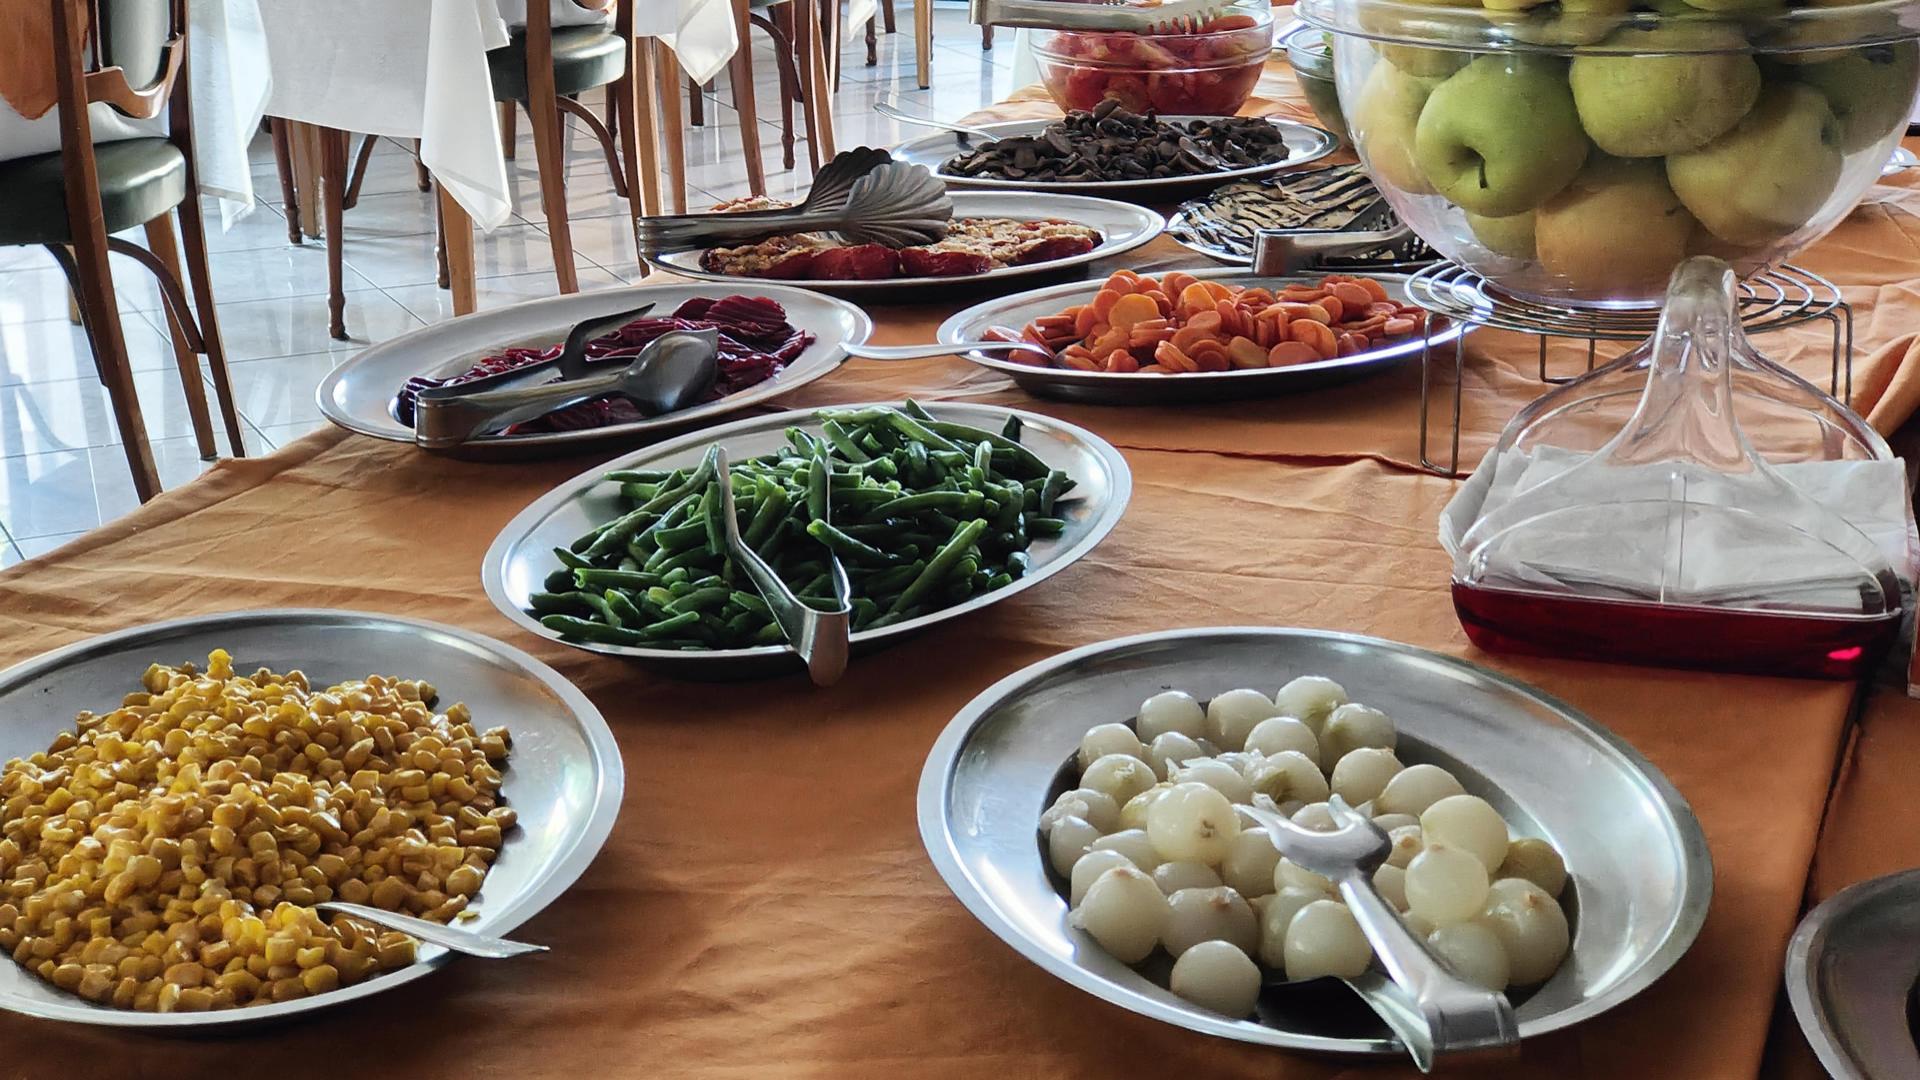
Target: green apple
1383	121
1770	174
1576	22
1741	7
1511	236
1425	63
1870	90
1618	229
1501	136
1654	105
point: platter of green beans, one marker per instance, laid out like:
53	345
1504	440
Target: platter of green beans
934	510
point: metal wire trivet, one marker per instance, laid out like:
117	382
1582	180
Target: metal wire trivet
1775	300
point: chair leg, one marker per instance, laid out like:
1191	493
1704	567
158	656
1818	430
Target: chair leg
789	77
87	269
639	127
421	178
509	118
923	42
457	227
886	15
306	170
696	105
623	90
602	135
283	164
672	126
818	81
543	113
160	242
986	38
442	278
333	181
194	238
359	174
740	68
873	44
830	32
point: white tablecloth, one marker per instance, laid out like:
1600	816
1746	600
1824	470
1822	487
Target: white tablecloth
228	77
410	69
700	32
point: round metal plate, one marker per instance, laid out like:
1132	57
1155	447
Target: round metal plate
1851	973
1304	142
1111	388
1640	874
1123	227
358	395
564	777
522	555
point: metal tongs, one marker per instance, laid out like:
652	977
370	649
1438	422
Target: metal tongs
821	638
673	371
1278	252
1431	1009
862	196
1122	16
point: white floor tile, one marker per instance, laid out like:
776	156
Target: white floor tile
76	413
430	303
280	391
282	434
48	350
290	327
389	261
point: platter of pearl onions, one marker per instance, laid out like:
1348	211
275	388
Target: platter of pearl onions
1084	809
1155	857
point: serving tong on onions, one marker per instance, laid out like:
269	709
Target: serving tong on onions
820	637
1431	1009
673	371
862	196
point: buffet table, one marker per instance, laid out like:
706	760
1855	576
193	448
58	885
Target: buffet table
764	907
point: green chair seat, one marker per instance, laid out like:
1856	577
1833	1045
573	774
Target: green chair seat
583	57
140	179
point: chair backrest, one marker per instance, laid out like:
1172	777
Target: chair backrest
137	51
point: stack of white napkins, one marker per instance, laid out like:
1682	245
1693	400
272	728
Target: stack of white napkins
1714	560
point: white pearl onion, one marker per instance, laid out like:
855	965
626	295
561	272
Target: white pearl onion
1169	749
1216	914
1415	788
1277	734
1174	710
1361	775
1132	843
1250	862
1352	726
1233	715
1469	823
1310	699
1324	939
1089	869
1125	912
1215	975
1103	739
1119	775
1174	876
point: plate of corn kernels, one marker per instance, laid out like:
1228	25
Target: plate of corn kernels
176	798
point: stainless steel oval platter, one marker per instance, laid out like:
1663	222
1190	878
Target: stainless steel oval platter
359	394
1123	227
522	555
564	777
1305	143
1110	388
1852	970
1640	874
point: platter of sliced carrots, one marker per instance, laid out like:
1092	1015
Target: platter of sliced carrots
1226	334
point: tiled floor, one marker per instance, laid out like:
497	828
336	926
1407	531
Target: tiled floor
62	471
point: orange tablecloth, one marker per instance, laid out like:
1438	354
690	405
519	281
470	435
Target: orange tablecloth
763	907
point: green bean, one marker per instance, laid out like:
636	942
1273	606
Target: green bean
1050	490
558	582
750	601
847	547
557	603
1017	562
700	600
767	517
568	626
918	432
638	493
616	534
913	504
680	537
639	476
1011	430
843	442
712	505
569	560
938	567
817	476
588	577
1046	526
1026	458
623	610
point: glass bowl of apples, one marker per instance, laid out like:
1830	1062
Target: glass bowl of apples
1210	71
1575	151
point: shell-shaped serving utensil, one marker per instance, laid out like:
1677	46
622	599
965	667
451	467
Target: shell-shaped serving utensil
864	201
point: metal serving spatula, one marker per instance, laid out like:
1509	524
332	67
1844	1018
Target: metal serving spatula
862	196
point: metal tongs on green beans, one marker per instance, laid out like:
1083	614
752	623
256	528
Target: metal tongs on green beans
821	637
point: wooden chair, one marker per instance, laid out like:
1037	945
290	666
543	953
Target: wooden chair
800	32
132	56
544	70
